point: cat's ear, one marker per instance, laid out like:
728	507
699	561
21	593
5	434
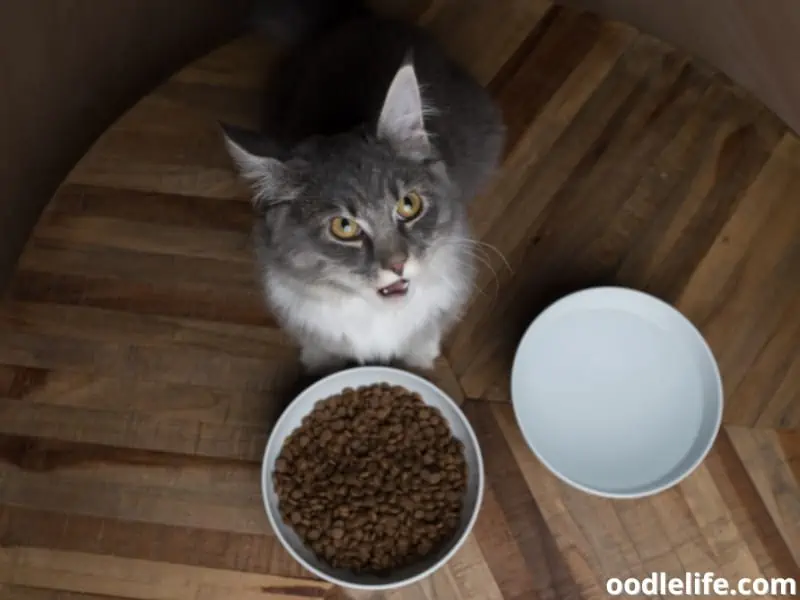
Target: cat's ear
401	121
261	164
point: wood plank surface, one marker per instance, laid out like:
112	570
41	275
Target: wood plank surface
140	373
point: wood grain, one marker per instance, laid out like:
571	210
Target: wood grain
140	373
143	579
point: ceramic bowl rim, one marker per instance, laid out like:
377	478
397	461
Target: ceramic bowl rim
718	400
473	440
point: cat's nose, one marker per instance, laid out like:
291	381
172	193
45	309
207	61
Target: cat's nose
397	267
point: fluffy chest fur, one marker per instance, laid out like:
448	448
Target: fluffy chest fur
363	329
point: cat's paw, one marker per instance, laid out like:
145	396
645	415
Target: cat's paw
421	363
423	355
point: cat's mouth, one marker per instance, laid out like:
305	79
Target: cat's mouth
398	288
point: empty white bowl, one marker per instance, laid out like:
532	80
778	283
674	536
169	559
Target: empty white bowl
431	395
616	392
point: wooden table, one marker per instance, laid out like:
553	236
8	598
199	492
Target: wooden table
140	372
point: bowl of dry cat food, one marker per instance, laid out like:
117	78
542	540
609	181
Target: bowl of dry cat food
372	478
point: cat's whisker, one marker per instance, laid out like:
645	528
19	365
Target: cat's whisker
495	277
477	252
473	284
477	243
484	260
500	255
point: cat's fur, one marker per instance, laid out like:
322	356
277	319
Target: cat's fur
366	111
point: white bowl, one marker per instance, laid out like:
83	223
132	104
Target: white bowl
616	392
431	395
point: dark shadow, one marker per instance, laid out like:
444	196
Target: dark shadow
563	284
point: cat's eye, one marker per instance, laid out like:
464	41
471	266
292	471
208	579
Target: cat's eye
345	229
409	206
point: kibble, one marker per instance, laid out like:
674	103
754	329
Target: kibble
372	480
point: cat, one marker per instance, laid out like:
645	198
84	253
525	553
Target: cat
374	145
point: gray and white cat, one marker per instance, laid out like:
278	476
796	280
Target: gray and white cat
375	144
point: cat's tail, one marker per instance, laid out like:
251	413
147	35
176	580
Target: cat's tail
294	21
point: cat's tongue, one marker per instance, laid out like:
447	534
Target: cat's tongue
398	288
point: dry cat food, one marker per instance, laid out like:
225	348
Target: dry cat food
372	480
